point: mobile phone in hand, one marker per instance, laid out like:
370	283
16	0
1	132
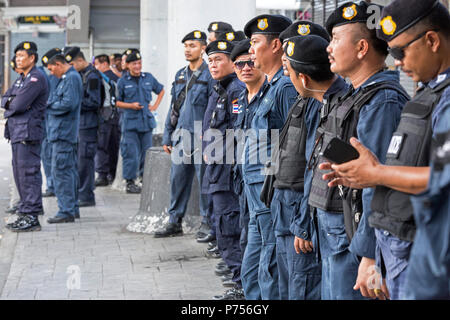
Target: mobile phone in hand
339	151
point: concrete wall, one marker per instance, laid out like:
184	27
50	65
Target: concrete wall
165	22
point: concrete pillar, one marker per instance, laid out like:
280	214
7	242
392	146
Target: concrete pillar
165	22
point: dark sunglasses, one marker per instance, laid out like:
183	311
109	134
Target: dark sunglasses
398	53
241	64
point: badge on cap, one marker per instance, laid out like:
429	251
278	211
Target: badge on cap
304	29
290	49
263	24
26	46
45	59
68	58
388	25
128	52
230	36
138	55
197	34
214	27
222	45
13	65
350	12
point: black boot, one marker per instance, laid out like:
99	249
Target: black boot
101	181
132	187
26	223
171	230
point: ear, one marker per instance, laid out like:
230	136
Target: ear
433	41
276	45
363	47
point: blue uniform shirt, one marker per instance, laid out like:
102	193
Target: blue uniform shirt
64	108
129	91
25	104
195	103
301	221
91	102
277	98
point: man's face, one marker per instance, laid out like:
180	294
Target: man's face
118	63
220	65
101	66
260	50
296	80
342	50
23	60
193	50
284	61
56	69
245	72
78	64
419	61
135	67
124	63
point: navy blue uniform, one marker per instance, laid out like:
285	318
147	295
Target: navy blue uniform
25	105
259	266
191	113
87	146
62	131
108	141
137	125
220	116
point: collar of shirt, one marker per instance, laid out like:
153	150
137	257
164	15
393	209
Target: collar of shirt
129	76
439	79
380	76
338	85
277	76
227	80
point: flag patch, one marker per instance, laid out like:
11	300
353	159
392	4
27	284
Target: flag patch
33	79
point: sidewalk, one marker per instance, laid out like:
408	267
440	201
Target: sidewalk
99	259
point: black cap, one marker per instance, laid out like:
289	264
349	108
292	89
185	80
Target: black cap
267	24
401	15
130	51
219	46
195	35
46	58
309	50
117	56
232	36
350	12
219	26
71	53
26	45
13	63
304	28
134	56
240	48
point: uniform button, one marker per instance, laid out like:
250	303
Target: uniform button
305	234
386	233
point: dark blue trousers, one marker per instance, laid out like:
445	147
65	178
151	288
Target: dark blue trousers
108	149
133	148
26	163
87	148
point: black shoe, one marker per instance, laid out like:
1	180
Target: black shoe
203	231
206	239
60	219
48	194
82	203
171	230
26	223
226	277
12	210
212	244
77	215
222	272
132	188
213	249
231	294
221	264
229	283
101	181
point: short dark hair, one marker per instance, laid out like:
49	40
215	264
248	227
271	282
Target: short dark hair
57	58
370	35
31	53
317	72
438	19
271	37
102	58
80	55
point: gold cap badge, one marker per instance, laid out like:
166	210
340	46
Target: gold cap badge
290	50
263	24
222	45
388	25
350	12
304	29
230	36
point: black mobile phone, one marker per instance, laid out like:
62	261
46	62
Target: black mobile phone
339	151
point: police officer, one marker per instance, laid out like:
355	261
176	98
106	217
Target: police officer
107	153
24	106
299	272
217	28
63	111
124	64
259	266
190	92
91	102
419	43
134	97
255	81
371	110
218	153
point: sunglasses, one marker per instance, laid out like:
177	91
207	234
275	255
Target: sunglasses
398	53
241	64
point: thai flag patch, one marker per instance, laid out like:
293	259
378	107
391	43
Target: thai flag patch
33	79
235	106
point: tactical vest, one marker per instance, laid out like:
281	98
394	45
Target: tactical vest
292	161
340	121
410	146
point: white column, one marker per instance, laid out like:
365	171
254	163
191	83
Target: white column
165	22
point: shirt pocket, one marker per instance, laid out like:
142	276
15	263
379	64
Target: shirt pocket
130	93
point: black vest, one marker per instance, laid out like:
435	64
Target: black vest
341	122
292	160
410	146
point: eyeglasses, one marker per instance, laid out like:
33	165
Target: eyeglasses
241	64
398	53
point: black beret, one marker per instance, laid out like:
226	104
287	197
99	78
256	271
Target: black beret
134	56
240	48
232	36
219	46
195	35
401	15
304	28
130	51
117	56
219	26
71	53
26	45
49	55
267	24
307	50
13	63
350	12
